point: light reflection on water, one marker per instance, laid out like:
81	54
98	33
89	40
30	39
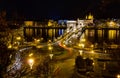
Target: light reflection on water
99	36
106	69
43	33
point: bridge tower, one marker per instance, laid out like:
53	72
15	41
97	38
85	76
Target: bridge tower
80	23
71	25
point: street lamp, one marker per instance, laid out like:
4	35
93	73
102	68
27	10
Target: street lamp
50	48
92	51
36	41
81	52
81	45
64	45
118	76
31	62
10	46
31	54
92	54
83	40
18	38
92	46
51	65
51	55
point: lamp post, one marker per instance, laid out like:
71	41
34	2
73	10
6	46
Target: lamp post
18	40
51	55
31	62
50	48
81	45
81	52
118	76
10	46
51	66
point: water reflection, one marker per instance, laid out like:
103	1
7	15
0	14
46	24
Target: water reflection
108	42
47	34
112	34
106	35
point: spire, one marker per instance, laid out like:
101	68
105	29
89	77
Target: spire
90	16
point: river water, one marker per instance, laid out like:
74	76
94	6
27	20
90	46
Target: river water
108	42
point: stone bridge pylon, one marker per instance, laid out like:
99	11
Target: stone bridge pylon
72	25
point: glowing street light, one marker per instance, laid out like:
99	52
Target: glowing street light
64	45
81	52
81	45
118	76
83	40
92	46
31	62
31	54
10	46
18	38
50	48
36	41
51	55
92	51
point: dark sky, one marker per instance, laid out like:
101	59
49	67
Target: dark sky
61	9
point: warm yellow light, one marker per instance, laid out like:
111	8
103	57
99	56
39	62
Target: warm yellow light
111	23
18	38
90	16
81	45
49	41
38	40
31	62
16	47
92	46
64	45
31	54
28	23
50	48
118	76
35	39
83	40
92	51
105	51
50	23
51	55
81	52
10	46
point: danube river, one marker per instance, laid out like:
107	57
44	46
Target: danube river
105	42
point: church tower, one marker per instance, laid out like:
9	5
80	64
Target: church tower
90	17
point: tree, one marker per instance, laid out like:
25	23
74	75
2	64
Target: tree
3	23
79	62
4	40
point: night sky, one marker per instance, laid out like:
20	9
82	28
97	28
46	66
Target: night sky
61	9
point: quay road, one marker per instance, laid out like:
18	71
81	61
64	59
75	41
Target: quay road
62	63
